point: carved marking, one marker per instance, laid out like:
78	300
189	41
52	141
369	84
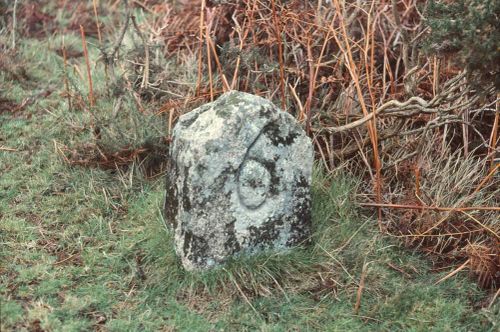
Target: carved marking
253	184
253	178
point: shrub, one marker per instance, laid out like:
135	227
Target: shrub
468	29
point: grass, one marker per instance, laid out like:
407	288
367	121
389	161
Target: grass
86	249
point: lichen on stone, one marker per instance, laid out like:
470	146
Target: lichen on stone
238	181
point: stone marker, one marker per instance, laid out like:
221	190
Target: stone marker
238	180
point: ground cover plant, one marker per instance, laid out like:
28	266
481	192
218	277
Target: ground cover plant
83	241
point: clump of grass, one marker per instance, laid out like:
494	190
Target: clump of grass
271	272
88	251
471	236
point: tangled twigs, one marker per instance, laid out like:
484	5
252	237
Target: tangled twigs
417	105
145	75
353	72
109	58
393	105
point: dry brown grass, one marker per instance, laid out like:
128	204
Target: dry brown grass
353	74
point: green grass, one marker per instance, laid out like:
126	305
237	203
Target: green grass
86	249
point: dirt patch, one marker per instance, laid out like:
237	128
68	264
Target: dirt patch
70	53
37	24
8	106
151	158
14	68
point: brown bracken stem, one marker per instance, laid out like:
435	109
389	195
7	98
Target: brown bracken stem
86	54
200	48
277	29
436	208
66	84
97	23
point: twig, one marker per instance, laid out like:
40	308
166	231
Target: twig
110	59
409	68
487	178
312	80
225	84
297	99
360	288
406	109
211	48
209	59
143	6
145	73
494	133
65	259
14	23
85	52
4	148
451	274
106	74
200	47
372	128
436	208
97	22
65	73
400	270
277	30
482	225
242	39
494	298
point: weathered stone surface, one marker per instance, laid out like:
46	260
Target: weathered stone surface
238	181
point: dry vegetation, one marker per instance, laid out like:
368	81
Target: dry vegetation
410	124
354	73
89	93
